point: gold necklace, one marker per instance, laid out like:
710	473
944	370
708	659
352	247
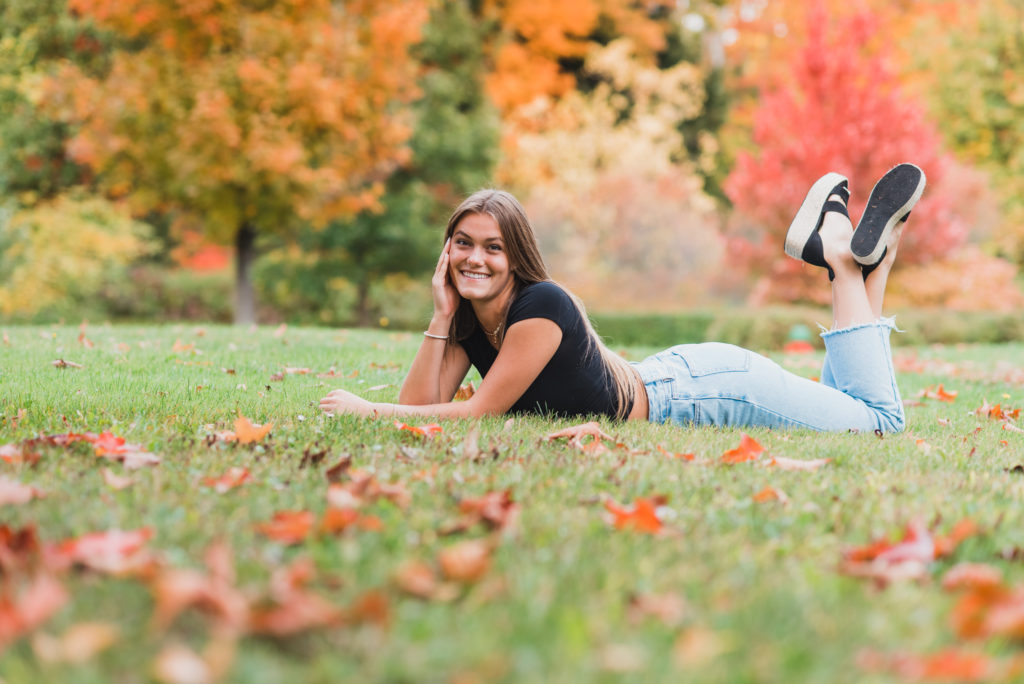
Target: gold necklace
492	335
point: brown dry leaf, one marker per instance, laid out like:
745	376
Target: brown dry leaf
116	552
293	609
464	392
61	363
495	509
466	561
77	645
797	464
371	607
576	433
15	493
339	469
418	579
115	481
949	665
471	443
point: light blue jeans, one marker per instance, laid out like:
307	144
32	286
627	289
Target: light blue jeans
722	384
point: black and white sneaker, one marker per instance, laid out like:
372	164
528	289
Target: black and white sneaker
803	241
891	200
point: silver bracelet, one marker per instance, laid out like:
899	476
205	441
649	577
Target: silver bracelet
432	336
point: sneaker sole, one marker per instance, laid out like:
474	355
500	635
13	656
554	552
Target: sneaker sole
806	220
892	198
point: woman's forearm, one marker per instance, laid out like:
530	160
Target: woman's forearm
422	385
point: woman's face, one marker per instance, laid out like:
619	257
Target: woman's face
478	262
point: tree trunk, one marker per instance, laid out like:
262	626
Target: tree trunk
245	298
363	304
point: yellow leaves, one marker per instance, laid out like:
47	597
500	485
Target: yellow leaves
65	245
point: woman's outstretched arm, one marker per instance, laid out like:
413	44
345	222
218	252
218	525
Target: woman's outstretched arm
526	349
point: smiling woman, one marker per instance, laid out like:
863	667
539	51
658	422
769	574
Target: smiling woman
497	309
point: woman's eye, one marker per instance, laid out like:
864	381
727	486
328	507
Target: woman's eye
495	248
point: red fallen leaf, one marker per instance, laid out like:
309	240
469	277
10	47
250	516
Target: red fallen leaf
949	665
213	592
797	464
247	432
642	516
427	430
234	477
25	606
748	450
16	493
997	412
292	608
337	520
770	494
466	561
941	393
682	457
288	527
117	552
18	548
917	544
973	576
464	392
16	453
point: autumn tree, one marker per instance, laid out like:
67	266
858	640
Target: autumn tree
454	147
246	117
842	108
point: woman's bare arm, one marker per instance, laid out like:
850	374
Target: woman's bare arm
527	348
435	374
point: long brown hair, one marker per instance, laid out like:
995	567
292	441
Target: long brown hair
528	267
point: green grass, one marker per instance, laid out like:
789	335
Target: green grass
759	580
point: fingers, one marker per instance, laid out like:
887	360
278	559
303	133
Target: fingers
443	259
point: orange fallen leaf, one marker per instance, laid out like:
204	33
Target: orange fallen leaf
950	665
247	432
770	494
466	561
797	464
464	392
496	509
940	394
234	477
641	516
292	608
372	607
680	456
748	450
288	527
118	552
338	520
417	578
61	363
428	430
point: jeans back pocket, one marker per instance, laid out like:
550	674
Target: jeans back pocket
709	358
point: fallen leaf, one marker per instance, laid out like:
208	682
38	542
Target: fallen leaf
247	432
576	433
77	645
234	477
770	494
670	608
61	363
25	606
950	665
292	608
417	578
179	664
797	464
940	394
372	607
428	430
464	392
641	516
288	527
115	481
337	520
117	552
680	456
13	492
466	561
495	509
748	450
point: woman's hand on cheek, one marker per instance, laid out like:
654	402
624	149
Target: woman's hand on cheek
340	401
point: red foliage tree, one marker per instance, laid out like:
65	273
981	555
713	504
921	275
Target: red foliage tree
842	109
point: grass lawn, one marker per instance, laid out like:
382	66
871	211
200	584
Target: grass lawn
410	587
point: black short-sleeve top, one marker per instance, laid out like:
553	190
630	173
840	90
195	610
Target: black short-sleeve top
575	381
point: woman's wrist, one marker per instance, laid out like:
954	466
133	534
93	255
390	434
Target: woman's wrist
439	327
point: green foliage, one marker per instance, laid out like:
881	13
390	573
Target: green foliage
454	146
63	249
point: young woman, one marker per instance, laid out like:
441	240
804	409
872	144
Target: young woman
495	307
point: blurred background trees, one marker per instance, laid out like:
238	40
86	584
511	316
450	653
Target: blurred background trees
660	148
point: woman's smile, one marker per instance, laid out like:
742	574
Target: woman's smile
479	264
